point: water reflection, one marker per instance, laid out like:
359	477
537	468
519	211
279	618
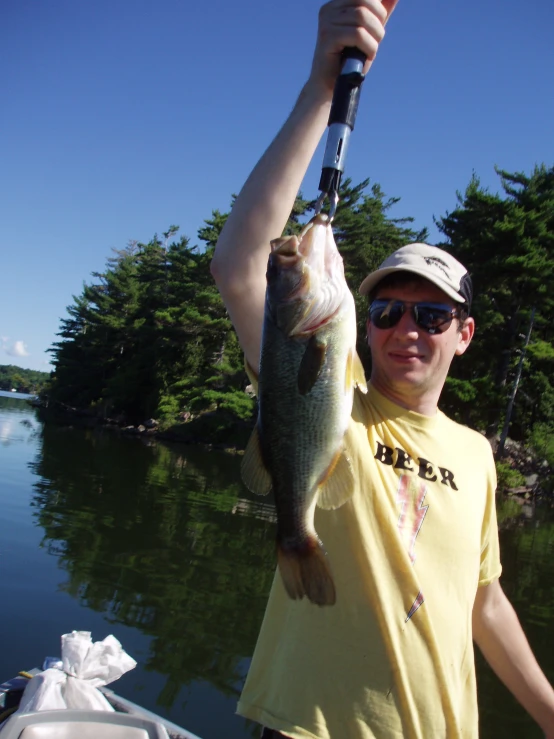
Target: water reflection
6	431
166	540
15	424
163	541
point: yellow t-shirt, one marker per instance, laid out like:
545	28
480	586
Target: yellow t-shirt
394	656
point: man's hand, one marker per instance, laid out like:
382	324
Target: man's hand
342	23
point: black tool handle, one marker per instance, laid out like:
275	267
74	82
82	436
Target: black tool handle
342	118
346	94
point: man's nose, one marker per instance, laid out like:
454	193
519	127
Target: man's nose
407	326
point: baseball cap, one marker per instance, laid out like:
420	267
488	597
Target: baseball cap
430	262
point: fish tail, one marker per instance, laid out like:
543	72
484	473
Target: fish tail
305	571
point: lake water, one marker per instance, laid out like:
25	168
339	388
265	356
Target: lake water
164	547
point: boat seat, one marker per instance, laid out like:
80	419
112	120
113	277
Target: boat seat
74	724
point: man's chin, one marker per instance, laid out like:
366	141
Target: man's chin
409	377
409	382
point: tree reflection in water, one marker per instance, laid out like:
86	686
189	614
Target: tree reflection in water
164	540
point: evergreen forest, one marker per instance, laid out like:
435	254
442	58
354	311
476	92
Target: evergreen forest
22	380
149	337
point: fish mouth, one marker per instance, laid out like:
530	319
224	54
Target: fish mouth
285	253
305	278
285	247
307	238
301	245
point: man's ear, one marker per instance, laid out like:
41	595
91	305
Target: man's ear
465	335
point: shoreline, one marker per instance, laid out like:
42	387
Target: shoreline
206	430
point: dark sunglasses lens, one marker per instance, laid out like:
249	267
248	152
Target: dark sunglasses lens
385	314
433	318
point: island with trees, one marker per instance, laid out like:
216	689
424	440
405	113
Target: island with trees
149	337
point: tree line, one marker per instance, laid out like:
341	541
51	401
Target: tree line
150	337
22	380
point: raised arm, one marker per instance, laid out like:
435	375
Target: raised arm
263	206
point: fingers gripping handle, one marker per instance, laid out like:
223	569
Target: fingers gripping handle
346	94
344	107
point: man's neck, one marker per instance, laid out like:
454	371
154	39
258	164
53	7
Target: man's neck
425	403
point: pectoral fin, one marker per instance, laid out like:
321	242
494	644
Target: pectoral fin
338	484
311	364
355	374
253	470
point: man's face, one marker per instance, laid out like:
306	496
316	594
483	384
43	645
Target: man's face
407	362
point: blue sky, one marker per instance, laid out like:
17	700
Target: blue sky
121	117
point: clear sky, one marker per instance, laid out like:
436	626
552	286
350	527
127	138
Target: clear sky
121	117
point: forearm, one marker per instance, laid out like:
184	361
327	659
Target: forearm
499	635
260	214
264	204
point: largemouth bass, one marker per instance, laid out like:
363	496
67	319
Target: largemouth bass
308	370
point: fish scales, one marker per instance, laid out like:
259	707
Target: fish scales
299	433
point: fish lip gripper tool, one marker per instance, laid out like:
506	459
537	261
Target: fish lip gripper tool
342	117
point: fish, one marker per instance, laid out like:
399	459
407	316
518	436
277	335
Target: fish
309	368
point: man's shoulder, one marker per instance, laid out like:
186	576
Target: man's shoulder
469	436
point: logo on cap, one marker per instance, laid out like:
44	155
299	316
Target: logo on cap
436	262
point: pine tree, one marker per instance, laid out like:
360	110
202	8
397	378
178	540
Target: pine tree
507	243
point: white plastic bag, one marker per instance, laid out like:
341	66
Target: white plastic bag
86	665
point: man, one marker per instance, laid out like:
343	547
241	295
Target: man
415	552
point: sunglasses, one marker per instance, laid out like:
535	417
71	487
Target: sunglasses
431	317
